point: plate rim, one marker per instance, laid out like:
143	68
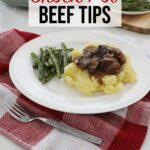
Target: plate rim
60	107
135	12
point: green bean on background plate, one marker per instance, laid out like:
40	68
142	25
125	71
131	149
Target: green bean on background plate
136	5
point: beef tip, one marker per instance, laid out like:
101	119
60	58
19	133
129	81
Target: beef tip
93	64
89	51
109	66
102	50
120	57
82	62
112	50
117	54
108	55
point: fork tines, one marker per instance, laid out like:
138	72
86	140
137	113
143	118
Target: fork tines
13	108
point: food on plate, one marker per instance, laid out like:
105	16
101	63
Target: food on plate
51	62
94	68
99	68
136	5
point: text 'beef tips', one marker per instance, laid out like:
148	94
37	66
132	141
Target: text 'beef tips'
104	60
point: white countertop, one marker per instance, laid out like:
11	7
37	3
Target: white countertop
12	17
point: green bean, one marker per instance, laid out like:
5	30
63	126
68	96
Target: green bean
68	49
65	54
55	61
60	61
50	62
45	56
37	61
41	53
49	77
47	71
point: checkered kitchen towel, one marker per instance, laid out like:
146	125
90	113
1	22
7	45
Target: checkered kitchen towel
120	130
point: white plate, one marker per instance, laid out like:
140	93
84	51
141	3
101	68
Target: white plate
135	12
60	96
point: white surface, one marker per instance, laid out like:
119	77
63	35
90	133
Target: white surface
60	96
67	142
17	18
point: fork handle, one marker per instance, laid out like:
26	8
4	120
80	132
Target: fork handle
68	129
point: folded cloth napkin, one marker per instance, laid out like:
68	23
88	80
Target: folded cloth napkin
120	130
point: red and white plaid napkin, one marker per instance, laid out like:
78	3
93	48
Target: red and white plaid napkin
120	130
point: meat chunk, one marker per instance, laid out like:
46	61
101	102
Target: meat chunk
109	66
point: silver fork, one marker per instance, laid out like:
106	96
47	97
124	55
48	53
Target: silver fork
22	115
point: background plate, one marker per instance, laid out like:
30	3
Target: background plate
135	12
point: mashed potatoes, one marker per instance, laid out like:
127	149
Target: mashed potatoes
88	84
